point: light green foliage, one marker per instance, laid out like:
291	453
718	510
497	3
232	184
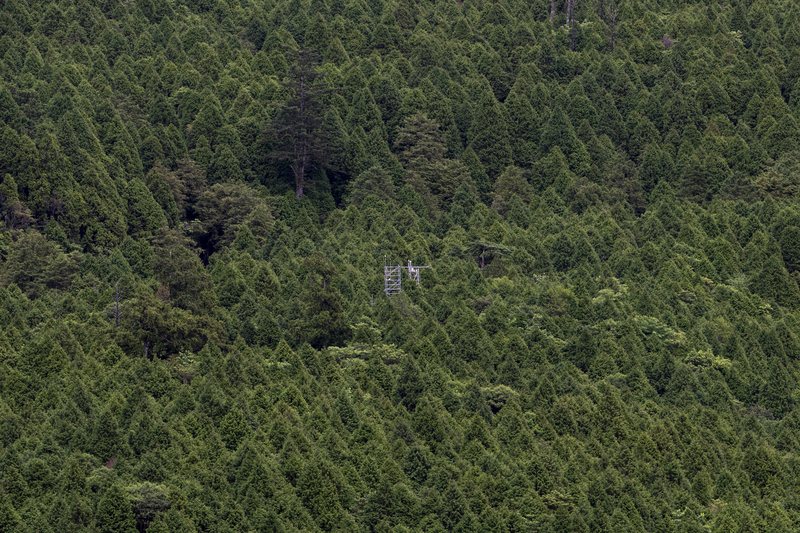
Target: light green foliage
651	326
702	359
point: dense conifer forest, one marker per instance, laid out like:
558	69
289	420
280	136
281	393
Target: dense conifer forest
197	198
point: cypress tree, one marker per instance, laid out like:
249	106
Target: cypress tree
783	137
144	213
694	182
321	489
114	513
523	126
558	132
410	386
790	248
9	518
774	283
159	187
224	167
477	172
656	166
208	120
489	136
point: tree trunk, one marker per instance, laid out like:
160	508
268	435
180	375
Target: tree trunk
613	25
299	131
169	287
116	304
552	9
300	175
572	40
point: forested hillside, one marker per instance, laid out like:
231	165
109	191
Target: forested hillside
193	329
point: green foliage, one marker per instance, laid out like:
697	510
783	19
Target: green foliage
144	214
489	136
373	181
114	513
36	264
607	339
707	359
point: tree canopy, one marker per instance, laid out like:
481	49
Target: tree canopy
197	199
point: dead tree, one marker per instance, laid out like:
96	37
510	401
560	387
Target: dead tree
569	11
572	38
552	10
117	308
613	25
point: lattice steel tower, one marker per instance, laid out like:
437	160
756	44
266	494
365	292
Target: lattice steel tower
393	276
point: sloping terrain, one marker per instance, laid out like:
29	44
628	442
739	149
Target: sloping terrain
194	337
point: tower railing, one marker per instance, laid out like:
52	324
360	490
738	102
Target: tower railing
393	276
392	279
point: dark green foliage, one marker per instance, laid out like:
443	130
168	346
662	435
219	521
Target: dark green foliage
607	339
324	323
489	136
300	137
410	387
421	150
774	282
373	181
114	513
322	490
558	131
144	214
36	264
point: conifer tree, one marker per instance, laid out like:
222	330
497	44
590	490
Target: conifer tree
421	150
324	309
410	386
558	131
374	181
300	136
477	172
9	517
114	513
489	136
144	213
694	182
783	137
522	123
159	186
775	283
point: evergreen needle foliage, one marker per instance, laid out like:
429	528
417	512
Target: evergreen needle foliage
197	197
